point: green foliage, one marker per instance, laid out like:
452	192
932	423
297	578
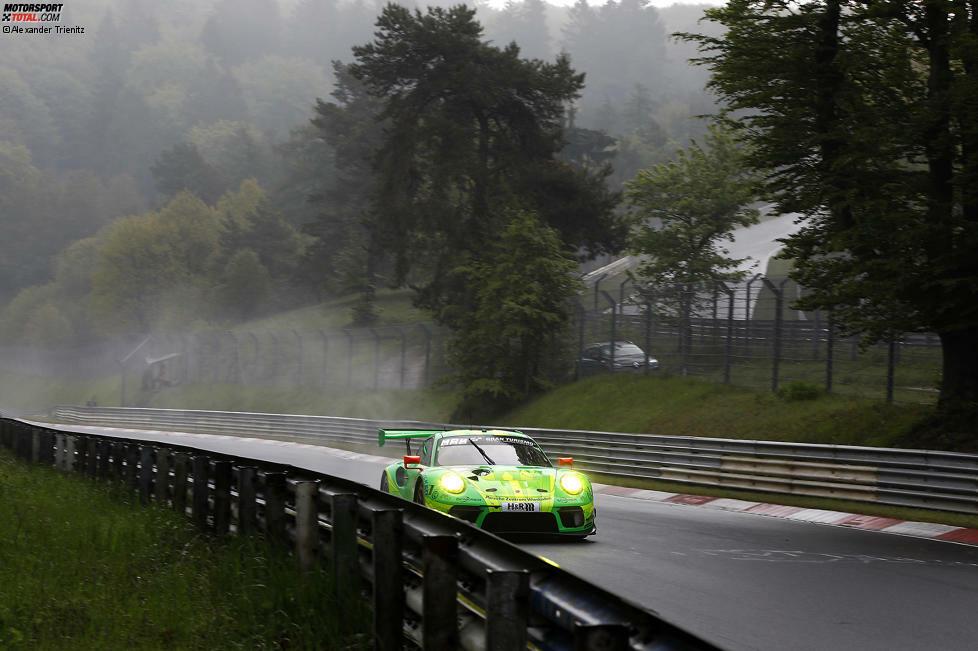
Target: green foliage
144	260
182	168
856	110
245	284
685	209
797	390
520	286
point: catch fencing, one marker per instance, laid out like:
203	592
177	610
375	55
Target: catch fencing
915	478
433	581
746	334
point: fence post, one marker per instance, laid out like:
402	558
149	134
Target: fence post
728	344
180	460
222	497
747	314
507	609
816	333
373	331
275	494
325	337
307	525
778	305
440	616
247	504
890	368
388	588
349	358
299	371
343	545
400	331
427	352
118	471
829	353
59	448
199	505
685	327
145	473
613	323
257	371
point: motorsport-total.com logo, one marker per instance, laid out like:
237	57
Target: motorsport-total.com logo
32	13
28	16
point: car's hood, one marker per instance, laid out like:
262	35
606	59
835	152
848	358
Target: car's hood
510	481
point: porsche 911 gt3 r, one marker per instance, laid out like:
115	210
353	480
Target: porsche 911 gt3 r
499	480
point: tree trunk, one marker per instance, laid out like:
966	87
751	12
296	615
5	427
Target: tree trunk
959	387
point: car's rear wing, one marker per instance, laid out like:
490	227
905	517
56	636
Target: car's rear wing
385	435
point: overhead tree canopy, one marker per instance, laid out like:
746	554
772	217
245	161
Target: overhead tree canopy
472	130
863	112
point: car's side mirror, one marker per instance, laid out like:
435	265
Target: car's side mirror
412	463
565	461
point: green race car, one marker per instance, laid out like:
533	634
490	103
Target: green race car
499	480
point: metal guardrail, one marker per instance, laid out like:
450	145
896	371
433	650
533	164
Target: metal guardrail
916	478
434	581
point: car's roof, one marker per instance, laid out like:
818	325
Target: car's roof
482	432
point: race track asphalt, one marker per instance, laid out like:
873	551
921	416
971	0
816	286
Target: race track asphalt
740	580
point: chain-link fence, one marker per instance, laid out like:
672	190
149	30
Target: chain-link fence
745	334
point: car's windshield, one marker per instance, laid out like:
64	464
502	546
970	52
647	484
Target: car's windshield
627	350
489	449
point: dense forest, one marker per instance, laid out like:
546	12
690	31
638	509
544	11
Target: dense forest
169	166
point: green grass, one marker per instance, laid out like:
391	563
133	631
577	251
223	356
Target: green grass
82	567
692	407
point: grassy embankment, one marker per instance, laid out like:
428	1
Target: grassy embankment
82	567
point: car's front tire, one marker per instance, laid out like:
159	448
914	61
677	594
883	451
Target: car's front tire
384	483
419	492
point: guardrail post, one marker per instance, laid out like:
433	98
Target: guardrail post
222	497
606	637
35	445
81	455
145	473
162	475
118	471
180	460
92	469
275	494
440	606
388	588
104	448
59	450
343	546
69	454
201	468
306	525
132	461
507	610
247	504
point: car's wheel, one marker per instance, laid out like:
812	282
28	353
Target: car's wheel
384	483
419	492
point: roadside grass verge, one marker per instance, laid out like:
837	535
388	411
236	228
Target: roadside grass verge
83	567
693	407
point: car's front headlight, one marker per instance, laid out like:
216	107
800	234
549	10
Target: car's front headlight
571	483
452	482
